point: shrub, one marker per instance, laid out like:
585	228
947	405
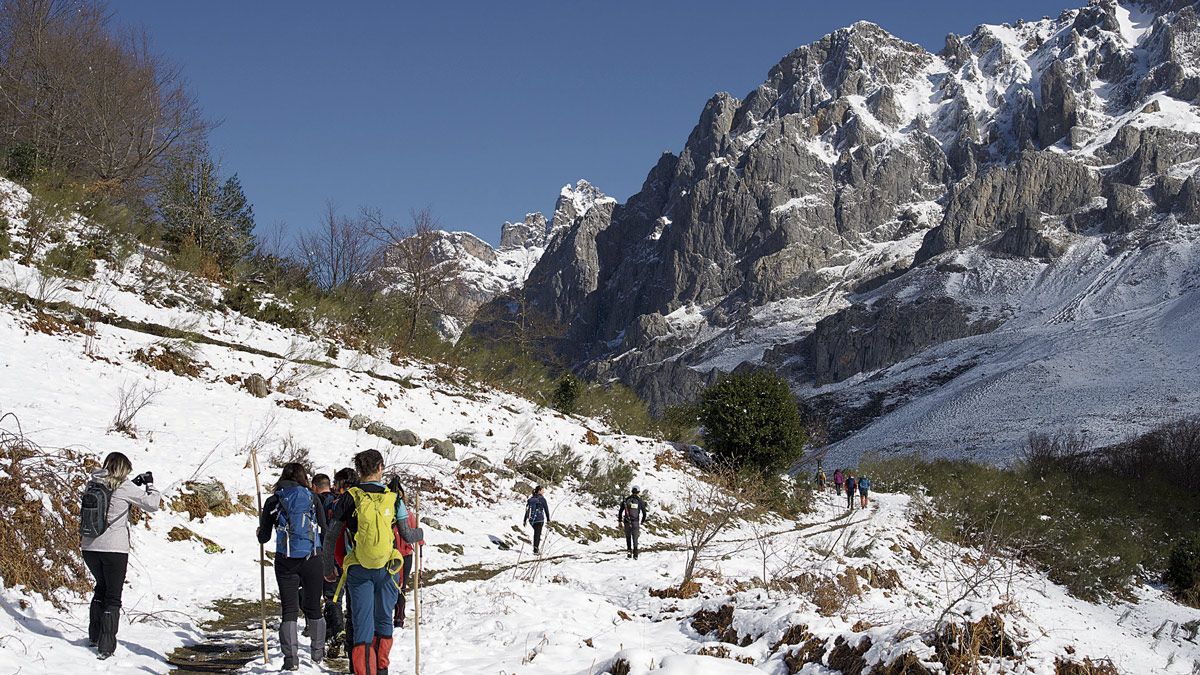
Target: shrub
69	260
567	392
1183	571
752	419
550	468
5	239
608	481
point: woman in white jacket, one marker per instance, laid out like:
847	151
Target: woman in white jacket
107	555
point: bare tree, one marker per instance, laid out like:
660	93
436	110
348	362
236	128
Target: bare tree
87	99
712	507
339	251
415	263
131	400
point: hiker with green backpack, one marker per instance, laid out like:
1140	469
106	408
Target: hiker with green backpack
104	516
372	566
295	513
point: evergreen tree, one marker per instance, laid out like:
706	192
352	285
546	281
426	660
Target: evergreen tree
196	209
752	419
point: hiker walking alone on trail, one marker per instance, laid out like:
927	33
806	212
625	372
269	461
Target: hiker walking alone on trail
864	487
838	480
335	619
851	487
296	515
822	480
406	549
104	538
369	573
631	516
537	514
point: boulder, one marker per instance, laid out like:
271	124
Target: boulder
396	437
359	422
444	449
336	411
257	385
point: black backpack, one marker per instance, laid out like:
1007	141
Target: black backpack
93	510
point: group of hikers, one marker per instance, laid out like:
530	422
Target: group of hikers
351	537
852	484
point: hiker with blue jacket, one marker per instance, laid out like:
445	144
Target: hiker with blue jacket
297	516
371	570
864	487
537	514
104	517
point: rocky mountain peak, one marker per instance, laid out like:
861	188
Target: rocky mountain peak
528	233
574	201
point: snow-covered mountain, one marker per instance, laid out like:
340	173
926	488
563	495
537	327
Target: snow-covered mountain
858	591
946	251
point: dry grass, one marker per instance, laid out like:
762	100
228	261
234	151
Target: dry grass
962	647
39	500
169	360
688	589
1086	667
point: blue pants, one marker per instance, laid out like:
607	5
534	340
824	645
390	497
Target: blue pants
373	595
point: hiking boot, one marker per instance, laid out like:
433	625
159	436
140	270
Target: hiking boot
628	554
289	644
333	646
635	555
106	642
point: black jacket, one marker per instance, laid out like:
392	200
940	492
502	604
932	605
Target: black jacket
630	508
537	510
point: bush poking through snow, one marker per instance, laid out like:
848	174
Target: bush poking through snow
170	360
961	647
1183	571
131	400
1085	667
39	501
289	451
752	419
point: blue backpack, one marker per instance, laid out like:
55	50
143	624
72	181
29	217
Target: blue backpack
296	533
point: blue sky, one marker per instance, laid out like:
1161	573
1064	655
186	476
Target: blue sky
483	110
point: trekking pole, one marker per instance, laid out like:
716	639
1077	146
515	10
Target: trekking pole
417	588
262	555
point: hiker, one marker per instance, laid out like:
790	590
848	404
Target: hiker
838	480
631	516
864	487
407	550
851	486
298	518
537	514
822	480
343	480
104	539
370	511
335	624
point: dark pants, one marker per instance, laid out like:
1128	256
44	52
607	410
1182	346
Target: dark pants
405	575
849	498
301	584
631	537
537	536
109	572
333	610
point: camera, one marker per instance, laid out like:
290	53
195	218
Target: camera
143	479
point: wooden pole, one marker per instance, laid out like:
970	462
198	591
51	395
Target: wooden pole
262	556
417	587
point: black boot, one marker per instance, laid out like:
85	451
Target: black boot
107	644
95	611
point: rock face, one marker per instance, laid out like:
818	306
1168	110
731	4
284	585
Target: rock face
257	385
821	225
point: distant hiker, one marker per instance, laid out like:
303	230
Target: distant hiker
371	566
864	487
104	539
537	514
335	620
822	480
631	516
297	516
407	550
851	486
838	480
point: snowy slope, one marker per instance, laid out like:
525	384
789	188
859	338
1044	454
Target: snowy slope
581	608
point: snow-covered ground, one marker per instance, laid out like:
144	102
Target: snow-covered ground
489	606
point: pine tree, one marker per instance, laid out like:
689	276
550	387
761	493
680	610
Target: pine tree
236	216
752	419
196	209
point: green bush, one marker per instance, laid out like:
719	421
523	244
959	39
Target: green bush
69	260
619	407
551	468
608	481
22	164
567	393
752	419
1183	571
5	240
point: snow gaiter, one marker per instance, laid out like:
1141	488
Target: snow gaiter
109	620
383	652
289	644
316	633
362	660
95	612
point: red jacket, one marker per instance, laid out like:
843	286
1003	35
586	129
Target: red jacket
405	547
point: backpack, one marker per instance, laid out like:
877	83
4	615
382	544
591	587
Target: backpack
633	510
296	523
93	509
374	544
